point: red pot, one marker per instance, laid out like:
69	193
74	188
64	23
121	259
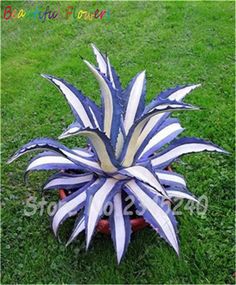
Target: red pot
103	224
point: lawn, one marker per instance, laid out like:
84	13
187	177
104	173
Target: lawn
177	43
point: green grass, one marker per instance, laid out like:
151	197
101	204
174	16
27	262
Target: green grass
177	43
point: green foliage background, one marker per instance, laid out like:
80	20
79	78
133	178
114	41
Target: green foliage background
177	43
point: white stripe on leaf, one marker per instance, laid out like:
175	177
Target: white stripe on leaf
158	214
170	176
174	193
110	73
169	156
137	136
180	94
73	100
83	152
143	174
70	131
45	160
166	132
67	209
94	118
119	227
79	227
101	144
87	163
135	99
96	204
100	60
68	179
119	143
173	94
107	99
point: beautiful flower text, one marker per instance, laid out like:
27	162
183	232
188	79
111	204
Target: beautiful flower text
43	14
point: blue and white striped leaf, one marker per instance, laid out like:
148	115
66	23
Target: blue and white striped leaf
120	140
181	147
67	181
87	163
79	226
174	94
178	93
111	107
71	130
78	102
101	60
156	213
102	146
84	152
175	191
134	97
120	226
170	178
145	175
96	114
50	160
69	206
181	194
168	131
119	144
97	195
151	128
106	68
113	77
138	133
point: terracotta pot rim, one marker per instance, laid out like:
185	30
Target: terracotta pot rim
103	224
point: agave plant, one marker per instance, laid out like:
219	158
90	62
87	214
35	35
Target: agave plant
126	155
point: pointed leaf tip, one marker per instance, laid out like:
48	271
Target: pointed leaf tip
225	151
45	76
69	242
193	107
10	160
62	136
